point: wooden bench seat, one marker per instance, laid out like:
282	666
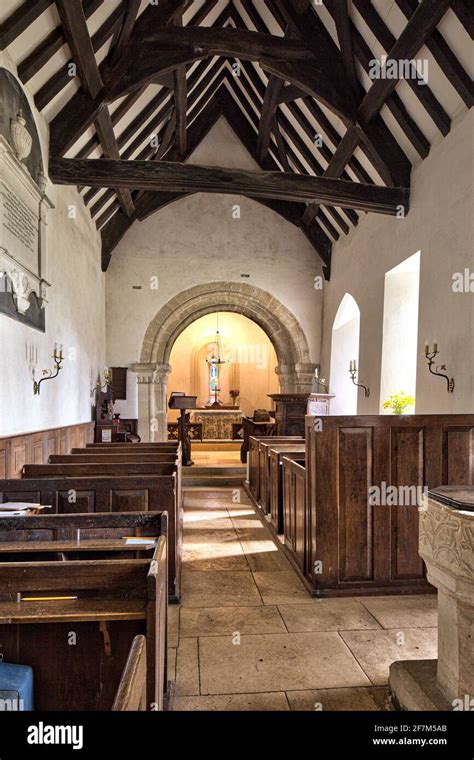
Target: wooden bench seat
254	461
264	467
94	494
114	458
275	486
96	469
294	506
117	599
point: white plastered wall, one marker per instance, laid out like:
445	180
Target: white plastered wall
75	317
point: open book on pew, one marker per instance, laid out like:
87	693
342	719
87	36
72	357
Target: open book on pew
21	508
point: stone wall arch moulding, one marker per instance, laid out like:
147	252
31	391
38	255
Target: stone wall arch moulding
295	370
23	207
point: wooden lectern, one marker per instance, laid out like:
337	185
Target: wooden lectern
179	400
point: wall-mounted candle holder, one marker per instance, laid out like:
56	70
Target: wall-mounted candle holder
99	386
430	356
50	374
353	373
320	381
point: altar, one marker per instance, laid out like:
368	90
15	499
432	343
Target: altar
217	423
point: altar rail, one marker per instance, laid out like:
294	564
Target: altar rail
37	447
353	545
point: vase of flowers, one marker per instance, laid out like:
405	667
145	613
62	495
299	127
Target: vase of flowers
234	394
399	402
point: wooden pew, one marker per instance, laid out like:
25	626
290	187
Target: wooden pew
107	493
294	505
92	469
131	693
100	458
264	468
165	445
254	462
365	547
256	429
115	600
275	485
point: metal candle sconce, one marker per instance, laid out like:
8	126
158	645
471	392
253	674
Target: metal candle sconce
353	373
107	381
48	373
320	382
430	355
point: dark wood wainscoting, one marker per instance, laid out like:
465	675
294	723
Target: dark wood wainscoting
362	546
36	447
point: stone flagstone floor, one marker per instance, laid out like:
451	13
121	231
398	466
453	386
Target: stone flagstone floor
248	636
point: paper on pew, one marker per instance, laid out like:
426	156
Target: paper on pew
21	506
140	540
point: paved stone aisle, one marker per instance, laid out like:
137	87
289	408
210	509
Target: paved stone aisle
247	635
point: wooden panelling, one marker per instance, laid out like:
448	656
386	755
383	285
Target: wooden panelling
458	463
364	546
355	512
36	447
408	474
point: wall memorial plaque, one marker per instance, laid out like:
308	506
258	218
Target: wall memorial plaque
23	207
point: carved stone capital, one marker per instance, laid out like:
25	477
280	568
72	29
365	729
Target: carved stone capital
144	371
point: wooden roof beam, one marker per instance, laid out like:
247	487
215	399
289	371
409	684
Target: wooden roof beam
77	35
267	116
21	19
178	177
344	35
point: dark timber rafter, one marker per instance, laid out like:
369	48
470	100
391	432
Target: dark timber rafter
186	178
319	71
180	102
341	18
77	35
310	75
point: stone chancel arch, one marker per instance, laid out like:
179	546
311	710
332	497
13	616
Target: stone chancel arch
294	369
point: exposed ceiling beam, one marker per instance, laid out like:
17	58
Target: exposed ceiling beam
178	177
344	35
180	102
53	42
444	57
150	202
77	35
422	91
131	13
463	10
318	72
267	116
426	17
21	19
61	78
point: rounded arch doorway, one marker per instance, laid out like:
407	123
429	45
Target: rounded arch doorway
294	369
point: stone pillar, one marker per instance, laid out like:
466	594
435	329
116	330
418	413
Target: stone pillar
159	429
145	372
304	377
286	377
446	544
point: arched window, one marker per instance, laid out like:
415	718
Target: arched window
213	378
344	348
400	330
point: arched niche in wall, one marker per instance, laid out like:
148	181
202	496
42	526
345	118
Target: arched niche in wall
344	348
400	330
229	374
